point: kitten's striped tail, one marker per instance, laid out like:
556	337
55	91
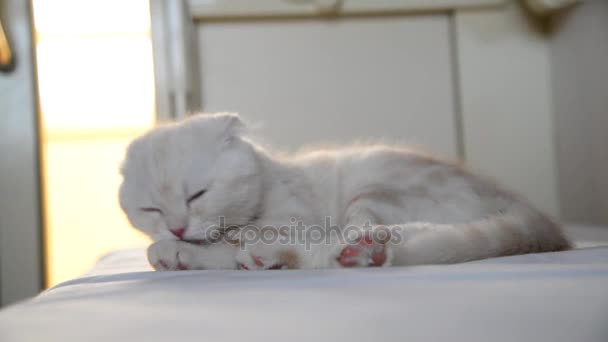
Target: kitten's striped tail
518	230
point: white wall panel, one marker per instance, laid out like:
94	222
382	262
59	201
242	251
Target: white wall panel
505	79
308	81
579	54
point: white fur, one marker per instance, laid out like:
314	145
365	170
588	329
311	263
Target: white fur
444	213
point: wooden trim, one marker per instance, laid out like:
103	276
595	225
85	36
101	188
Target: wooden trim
371	6
6	54
203	9
545	7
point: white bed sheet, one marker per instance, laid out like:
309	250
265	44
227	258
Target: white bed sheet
541	297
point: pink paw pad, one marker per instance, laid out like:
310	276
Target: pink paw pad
162	264
365	252
260	265
183	267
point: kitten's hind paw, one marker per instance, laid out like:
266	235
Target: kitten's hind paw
365	252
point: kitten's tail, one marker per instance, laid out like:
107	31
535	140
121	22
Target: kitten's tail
517	230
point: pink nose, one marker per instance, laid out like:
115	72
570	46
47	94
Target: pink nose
179	232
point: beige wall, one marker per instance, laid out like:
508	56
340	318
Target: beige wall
579	53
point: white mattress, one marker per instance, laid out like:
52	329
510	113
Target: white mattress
541	297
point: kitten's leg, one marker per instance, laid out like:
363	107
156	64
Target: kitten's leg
167	255
367	248
272	256
419	243
514	232
366	251
358	244
363	247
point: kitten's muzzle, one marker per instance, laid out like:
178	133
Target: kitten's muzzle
178	232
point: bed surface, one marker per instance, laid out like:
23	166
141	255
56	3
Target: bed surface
541	297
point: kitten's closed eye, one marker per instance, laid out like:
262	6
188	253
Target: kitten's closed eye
196	196
151	210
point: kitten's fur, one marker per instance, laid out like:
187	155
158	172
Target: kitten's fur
442	213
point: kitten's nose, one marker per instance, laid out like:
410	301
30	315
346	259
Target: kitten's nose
179	232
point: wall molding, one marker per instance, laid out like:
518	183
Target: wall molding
218	9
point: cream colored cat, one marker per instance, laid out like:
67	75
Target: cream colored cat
213	199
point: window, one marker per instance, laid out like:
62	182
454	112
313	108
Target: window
96	90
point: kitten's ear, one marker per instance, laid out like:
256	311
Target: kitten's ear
233	126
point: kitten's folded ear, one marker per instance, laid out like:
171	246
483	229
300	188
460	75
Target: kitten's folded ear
224	126
233	126
232	120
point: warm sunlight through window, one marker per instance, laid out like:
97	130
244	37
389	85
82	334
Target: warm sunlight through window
96	88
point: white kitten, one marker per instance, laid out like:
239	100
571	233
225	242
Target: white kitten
213	199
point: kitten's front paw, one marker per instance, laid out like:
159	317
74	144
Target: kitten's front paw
165	255
255	262
365	252
267	259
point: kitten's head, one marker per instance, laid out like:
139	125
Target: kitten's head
181	179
